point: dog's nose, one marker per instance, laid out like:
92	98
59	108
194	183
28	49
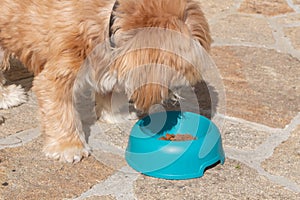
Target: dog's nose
147	95
131	102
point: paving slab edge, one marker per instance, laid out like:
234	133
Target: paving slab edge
114	186
254	158
281	45
19	139
293	6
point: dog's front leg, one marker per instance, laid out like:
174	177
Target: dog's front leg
61	125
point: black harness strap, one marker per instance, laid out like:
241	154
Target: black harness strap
111	22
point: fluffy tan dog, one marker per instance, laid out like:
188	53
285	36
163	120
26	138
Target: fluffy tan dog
144	48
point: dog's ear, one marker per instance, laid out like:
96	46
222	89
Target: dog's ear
197	23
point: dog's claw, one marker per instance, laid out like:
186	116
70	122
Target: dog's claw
70	155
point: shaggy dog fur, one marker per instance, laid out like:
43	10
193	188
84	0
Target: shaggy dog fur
66	44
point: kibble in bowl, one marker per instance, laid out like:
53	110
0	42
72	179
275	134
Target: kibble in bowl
177	137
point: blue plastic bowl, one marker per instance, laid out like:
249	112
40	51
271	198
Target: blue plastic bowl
174	159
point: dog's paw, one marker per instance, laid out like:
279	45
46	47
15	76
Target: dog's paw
111	118
11	96
67	153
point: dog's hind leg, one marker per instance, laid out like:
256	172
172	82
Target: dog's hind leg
10	95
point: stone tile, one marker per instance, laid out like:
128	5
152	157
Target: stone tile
20	118
111	160
265	7
230	181
241	136
296	2
216	7
289	19
286	159
293	34
100	198
240	28
261	85
25	173
114	134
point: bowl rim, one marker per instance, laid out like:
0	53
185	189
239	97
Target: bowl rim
156	136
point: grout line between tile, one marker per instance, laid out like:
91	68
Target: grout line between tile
19	139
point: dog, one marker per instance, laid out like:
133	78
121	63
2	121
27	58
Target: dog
146	49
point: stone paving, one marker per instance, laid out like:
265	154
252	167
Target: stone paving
257	52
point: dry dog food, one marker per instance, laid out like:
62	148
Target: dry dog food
177	137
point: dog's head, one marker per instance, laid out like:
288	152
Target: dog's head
158	45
